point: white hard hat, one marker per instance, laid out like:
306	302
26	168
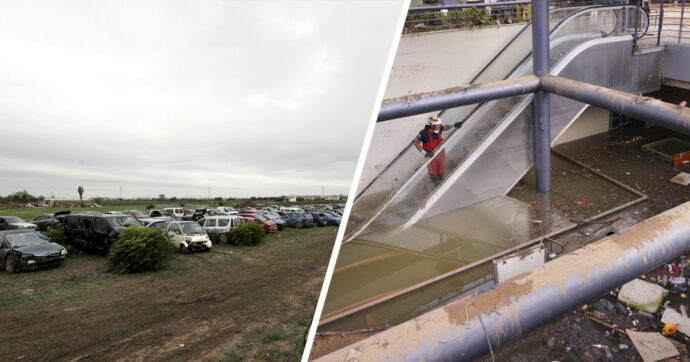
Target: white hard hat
434	121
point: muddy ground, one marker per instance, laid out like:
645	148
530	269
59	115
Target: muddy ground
232	304
571	337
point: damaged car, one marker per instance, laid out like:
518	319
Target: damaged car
28	250
97	232
13	222
188	236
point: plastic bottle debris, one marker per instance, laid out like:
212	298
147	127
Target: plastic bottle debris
645	314
623	346
681	289
621	309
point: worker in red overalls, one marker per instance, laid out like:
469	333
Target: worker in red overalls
428	140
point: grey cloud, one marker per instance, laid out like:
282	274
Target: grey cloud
244	97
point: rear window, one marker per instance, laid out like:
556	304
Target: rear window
293	215
308	216
210	222
223	222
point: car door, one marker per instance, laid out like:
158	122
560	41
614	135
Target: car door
175	233
100	233
4	248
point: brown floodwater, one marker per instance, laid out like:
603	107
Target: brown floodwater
387	260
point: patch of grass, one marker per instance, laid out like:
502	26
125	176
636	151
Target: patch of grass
238	353
237	290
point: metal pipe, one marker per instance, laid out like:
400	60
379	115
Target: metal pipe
637	25
660	20
644	108
682	13
459	330
456	97
542	104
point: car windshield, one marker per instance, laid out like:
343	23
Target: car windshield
122	221
160	224
261	217
13	220
26	239
136	212
192	228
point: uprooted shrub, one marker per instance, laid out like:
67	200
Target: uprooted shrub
247	234
57	235
139	250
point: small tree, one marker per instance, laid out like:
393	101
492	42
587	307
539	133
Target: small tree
140	249
247	234
80	190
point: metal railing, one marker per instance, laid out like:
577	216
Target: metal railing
470	15
668	24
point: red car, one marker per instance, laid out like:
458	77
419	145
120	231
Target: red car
268	225
136	213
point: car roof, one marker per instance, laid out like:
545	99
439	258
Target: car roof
17	231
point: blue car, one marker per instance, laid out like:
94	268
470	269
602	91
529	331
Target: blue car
299	220
320	219
332	219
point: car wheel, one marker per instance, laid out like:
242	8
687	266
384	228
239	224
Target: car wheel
183	249
223	239
298	225
9	265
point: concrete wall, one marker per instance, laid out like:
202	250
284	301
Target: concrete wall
676	62
427	62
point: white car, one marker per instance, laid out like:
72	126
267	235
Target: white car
188	236
227	209
157	223
175	211
221	225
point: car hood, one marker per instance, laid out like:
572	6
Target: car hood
197	237
23	225
40	250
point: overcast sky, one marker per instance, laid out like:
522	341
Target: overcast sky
174	97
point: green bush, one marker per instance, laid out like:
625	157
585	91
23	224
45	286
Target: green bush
247	234
57	235
140	249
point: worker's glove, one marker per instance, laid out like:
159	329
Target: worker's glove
458	124
428	154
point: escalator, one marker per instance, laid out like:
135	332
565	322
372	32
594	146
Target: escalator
483	161
404	193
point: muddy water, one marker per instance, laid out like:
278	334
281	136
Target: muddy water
388	260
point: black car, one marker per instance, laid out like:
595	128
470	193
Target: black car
47	221
28	250
97	232
196	216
